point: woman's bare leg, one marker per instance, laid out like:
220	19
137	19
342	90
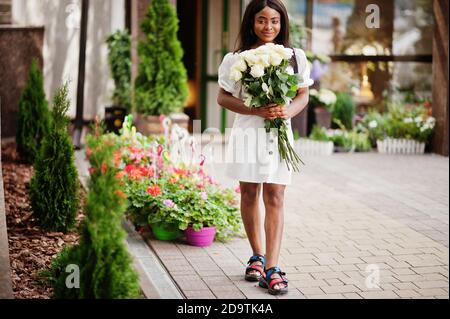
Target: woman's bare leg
250	193
273	195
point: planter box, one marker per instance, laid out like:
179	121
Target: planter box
400	146
150	124
306	146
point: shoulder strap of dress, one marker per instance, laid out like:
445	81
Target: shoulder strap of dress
294	61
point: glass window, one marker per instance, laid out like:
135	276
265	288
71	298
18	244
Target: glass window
339	27
413	27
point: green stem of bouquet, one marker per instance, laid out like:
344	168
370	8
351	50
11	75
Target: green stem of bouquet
287	153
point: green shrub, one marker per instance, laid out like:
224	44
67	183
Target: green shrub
161	84
33	117
343	110
319	134
106	270
119	58
54	186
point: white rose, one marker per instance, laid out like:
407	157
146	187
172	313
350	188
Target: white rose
250	57
235	75
264	60
265	88
241	65
257	71
275	59
290	70
285	53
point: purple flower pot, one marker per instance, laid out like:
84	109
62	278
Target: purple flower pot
202	238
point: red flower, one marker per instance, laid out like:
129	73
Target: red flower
103	168
147	171
129	168
91	170
154	190
135	174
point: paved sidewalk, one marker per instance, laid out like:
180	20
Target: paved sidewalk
350	219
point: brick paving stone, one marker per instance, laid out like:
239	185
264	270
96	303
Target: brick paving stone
355	210
407	293
339	289
379	295
431	284
229	294
326	296
432	292
199	294
352	295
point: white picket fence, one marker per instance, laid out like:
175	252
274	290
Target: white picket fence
400	146
306	146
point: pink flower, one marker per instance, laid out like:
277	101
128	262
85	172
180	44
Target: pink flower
203	196
161	117
169	203
200	186
238	189
160	150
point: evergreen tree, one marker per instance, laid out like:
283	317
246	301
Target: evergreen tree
54	186
33	117
106	270
161	85
119	58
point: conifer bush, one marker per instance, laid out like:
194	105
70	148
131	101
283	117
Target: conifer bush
33	116
54	186
119	59
161	85
106	270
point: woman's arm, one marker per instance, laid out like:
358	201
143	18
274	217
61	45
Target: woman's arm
228	101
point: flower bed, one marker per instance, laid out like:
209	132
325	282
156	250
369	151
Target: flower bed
164	187
404	129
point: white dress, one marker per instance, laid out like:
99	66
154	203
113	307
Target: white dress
252	154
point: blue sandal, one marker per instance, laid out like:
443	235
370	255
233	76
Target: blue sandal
271	282
258	268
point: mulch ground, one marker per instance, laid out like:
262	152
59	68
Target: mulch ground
31	249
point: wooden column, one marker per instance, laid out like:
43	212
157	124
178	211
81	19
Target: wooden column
440	77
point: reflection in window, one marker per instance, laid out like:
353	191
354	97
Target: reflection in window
413	26
339	27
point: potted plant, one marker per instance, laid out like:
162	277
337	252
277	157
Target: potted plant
161	84
322	100
119	58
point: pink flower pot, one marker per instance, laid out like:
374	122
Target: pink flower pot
202	238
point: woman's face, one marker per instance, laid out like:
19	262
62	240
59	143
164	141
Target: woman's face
267	24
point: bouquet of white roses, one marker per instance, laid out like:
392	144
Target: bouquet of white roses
267	77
